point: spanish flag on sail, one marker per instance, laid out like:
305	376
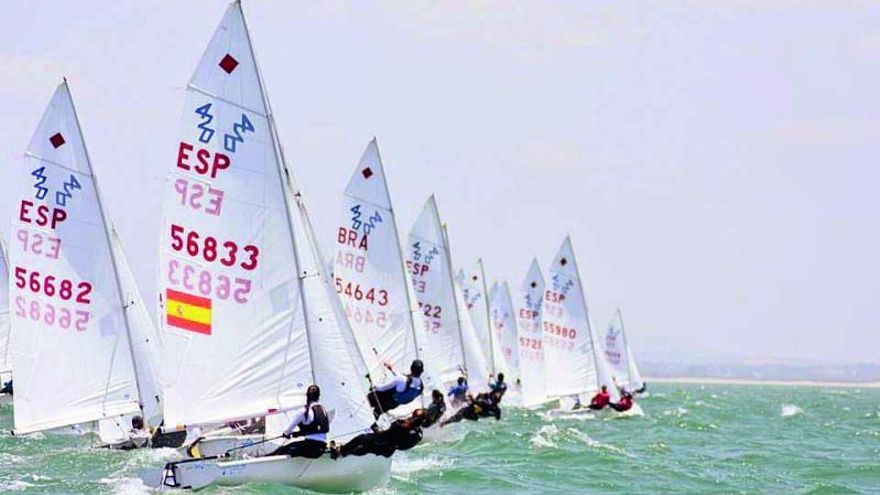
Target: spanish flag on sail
188	312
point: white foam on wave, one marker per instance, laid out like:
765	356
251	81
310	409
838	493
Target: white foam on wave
790	410
590	442
126	486
405	466
15	486
542	437
677	412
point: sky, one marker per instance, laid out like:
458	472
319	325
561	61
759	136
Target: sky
714	162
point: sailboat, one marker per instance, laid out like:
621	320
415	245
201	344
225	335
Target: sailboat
250	318
372	281
449	331
572	352
505	339
476	299
528	307
5	361
620	355
73	297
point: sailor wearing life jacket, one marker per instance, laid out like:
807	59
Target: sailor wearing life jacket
401	390
312	423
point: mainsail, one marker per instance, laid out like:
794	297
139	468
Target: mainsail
475	295
249	319
568	344
370	276
5	361
616	351
632	379
529	317
504	331
69	317
428	264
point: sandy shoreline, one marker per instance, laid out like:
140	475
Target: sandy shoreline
743	381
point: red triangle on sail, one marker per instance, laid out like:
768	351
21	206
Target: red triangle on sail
367	173
228	63
57	140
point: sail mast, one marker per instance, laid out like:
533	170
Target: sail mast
110	248
488	317
454	299
284	173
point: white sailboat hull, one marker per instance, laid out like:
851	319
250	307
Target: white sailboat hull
352	474
244	445
586	412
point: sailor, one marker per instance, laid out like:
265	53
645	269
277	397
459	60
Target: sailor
403	434
312	423
624	404
7	388
601	399
138	436
401	390
459	392
498	385
483	406
641	389
436	409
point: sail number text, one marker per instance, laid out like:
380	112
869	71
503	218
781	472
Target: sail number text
183	275
210	249
50	315
52	287
358	293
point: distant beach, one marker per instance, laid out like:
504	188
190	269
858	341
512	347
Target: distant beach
744	381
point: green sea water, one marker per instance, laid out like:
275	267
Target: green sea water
692	439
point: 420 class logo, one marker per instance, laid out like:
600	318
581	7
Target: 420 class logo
61	194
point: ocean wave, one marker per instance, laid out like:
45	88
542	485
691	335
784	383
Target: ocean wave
405	466
15	486
789	410
126	486
677	412
590	442
542	438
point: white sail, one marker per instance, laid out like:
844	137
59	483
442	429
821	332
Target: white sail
234	328
615	347
478	367
146	343
604	374
70	352
635	377
528	307
338	365
5	361
476	298
370	276
568	345
504	330
428	264
250	318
